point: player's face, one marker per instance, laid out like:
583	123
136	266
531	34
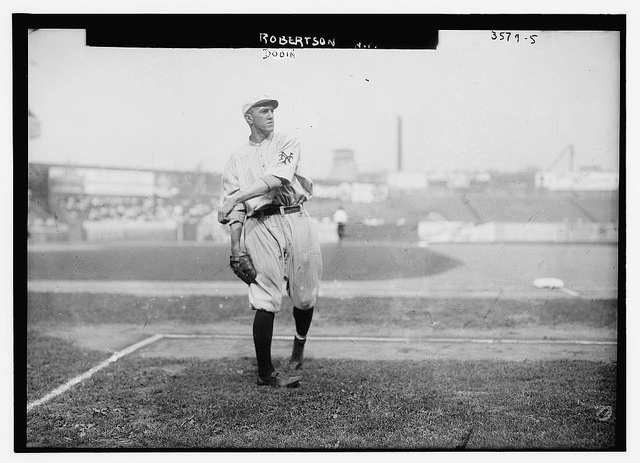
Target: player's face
262	118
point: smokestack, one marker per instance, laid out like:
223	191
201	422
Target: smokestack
571	165
399	144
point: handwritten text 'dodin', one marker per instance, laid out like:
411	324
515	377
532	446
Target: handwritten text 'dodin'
276	53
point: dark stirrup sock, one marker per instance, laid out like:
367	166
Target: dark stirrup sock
303	320
262	336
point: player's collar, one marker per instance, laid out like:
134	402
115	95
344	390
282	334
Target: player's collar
252	143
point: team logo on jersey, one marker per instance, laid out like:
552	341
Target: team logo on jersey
285	158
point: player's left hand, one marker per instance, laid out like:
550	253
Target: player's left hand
242	266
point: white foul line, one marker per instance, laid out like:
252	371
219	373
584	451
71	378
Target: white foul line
87	374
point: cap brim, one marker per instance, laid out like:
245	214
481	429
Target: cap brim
267	102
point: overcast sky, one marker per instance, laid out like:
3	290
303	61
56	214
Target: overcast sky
474	103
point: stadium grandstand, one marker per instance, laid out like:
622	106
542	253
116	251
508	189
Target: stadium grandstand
80	203
145	204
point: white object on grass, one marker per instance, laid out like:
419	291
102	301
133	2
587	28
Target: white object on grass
554	283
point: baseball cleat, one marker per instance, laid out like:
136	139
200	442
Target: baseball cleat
275	380
297	355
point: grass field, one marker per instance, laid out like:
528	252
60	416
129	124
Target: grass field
175	401
417	317
343	404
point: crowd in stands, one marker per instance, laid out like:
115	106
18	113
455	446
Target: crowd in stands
144	209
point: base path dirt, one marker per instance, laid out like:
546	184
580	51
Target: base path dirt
359	349
208	342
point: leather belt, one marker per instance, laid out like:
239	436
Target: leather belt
274	209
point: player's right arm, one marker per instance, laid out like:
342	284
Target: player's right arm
259	188
236	232
230	187
235	219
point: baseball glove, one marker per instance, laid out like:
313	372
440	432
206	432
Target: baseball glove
242	266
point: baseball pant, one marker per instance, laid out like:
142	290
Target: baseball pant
285	250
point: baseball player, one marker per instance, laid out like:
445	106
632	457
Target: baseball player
274	245
340	217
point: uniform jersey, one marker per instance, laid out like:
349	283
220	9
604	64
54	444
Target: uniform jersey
277	155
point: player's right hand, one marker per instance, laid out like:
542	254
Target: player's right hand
223	219
225	210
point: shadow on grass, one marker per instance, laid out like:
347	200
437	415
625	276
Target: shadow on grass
207	263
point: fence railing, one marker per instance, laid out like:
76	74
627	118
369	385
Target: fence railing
427	231
118	230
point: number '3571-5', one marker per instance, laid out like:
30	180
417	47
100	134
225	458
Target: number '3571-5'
516	37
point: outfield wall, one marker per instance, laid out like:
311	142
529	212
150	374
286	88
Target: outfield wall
527	232
427	231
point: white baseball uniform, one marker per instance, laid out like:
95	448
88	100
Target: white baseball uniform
284	247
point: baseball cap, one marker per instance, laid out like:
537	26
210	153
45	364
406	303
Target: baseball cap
261	100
